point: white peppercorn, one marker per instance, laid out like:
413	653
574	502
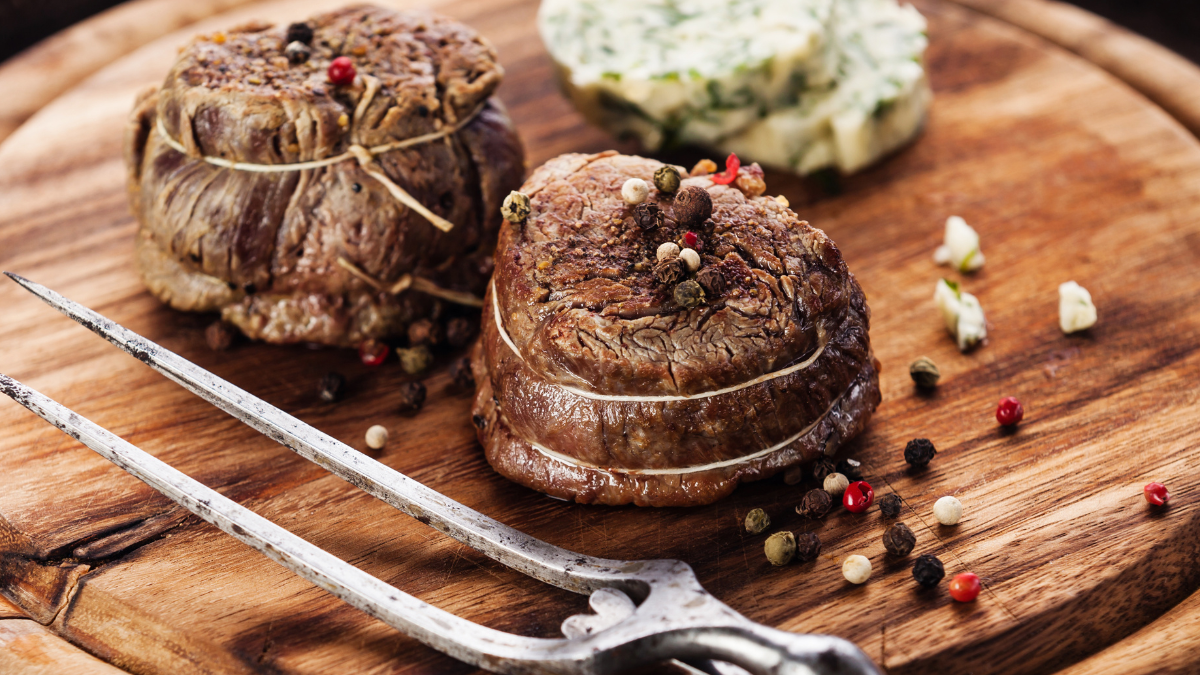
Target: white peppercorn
856	569
667	251
635	191
836	484
377	437
690	258
948	510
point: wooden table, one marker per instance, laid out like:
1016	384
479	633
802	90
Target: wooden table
128	529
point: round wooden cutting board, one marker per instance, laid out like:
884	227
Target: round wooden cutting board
1066	172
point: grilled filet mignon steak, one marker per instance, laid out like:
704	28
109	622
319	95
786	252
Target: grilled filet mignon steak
595	384
264	248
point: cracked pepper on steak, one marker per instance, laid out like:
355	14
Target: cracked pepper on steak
263	248
612	393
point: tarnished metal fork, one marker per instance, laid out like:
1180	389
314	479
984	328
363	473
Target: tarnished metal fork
647	611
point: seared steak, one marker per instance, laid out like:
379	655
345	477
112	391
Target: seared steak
595	384
264	248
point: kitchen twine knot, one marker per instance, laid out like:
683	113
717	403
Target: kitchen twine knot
365	156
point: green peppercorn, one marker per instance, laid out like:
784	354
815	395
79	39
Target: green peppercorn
415	360
666	179
924	372
780	548
516	208
899	540
757	521
688	294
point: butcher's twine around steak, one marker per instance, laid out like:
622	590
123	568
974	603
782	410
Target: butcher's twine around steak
594	385
308	212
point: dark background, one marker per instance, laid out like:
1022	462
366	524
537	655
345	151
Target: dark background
1174	23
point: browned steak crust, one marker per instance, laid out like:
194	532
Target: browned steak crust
264	248
610	392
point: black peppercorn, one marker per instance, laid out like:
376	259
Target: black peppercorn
647	215
297	52
816	504
220	336
412	396
688	294
822	468
928	570
808	546
899	540
331	387
670	271
851	469
463	378
460	331
693	206
712	279
299	32
889	505
919	451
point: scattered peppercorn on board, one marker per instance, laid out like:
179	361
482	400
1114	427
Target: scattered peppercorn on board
1064	171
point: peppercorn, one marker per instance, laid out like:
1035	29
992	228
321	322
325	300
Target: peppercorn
634	191
965	587
424	332
1156	494
462	376
690	259
372	352
688	293
220	336
858	497
757	521
816	504
693	206
415	360
850	468
835	484
948	510
712	279
919	451
648	216
822	468
377	437
667	251
670	271
793	475
928	570
341	71
691	240
412	396
666	179
780	548
297	52
899	540
1009	411
331	387
924	372
808	546
516	208
460	331
889	505
856	569
299	32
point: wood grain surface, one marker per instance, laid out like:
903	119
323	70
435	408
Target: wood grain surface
1065	171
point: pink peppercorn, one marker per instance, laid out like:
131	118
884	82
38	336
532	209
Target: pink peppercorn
1156	494
858	497
1010	411
341	71
690	240
965	587
373	352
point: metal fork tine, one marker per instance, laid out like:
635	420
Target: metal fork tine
509	546
437	628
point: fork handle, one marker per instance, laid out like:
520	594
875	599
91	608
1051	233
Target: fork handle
767	651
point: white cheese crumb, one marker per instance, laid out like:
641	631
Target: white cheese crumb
856	569
961	247
635	191
961	313
947	510
691	259
1075	309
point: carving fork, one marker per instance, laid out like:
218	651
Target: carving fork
647	611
